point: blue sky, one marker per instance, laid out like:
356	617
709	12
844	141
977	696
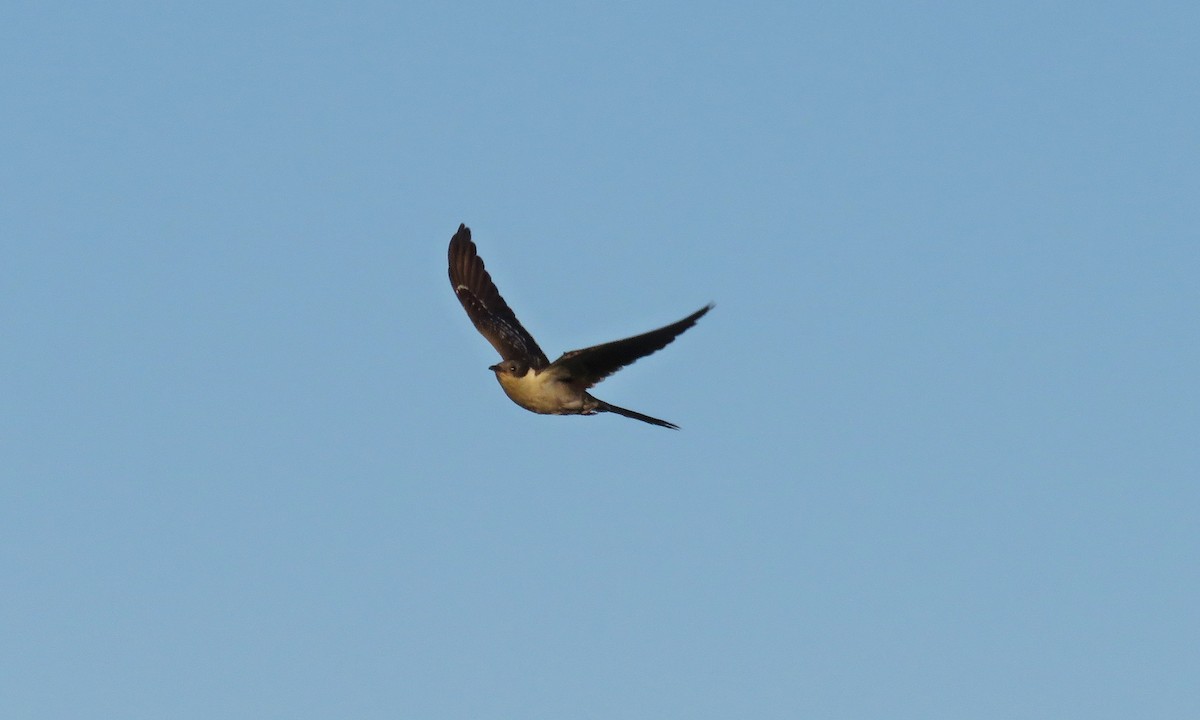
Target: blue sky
939	453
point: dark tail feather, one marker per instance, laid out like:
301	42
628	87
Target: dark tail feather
606	407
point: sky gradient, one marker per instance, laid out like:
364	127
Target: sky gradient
939	447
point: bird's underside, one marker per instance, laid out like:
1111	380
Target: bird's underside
525	373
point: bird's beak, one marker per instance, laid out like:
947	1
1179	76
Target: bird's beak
494	368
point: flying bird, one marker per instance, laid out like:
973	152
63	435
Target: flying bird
525	373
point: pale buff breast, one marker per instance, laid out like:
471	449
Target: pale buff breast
541	393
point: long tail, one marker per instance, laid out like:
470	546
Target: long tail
608	407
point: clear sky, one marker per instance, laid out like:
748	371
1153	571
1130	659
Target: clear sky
941	435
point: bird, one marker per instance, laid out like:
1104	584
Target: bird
525	373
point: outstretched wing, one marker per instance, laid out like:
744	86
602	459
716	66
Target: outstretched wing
487	310
591	365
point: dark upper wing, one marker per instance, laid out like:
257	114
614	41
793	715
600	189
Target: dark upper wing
593	364
482	301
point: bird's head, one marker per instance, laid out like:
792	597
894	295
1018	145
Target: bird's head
515	368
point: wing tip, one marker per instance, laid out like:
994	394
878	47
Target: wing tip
461	238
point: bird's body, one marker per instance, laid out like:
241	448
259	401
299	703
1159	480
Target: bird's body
525	373
547	392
